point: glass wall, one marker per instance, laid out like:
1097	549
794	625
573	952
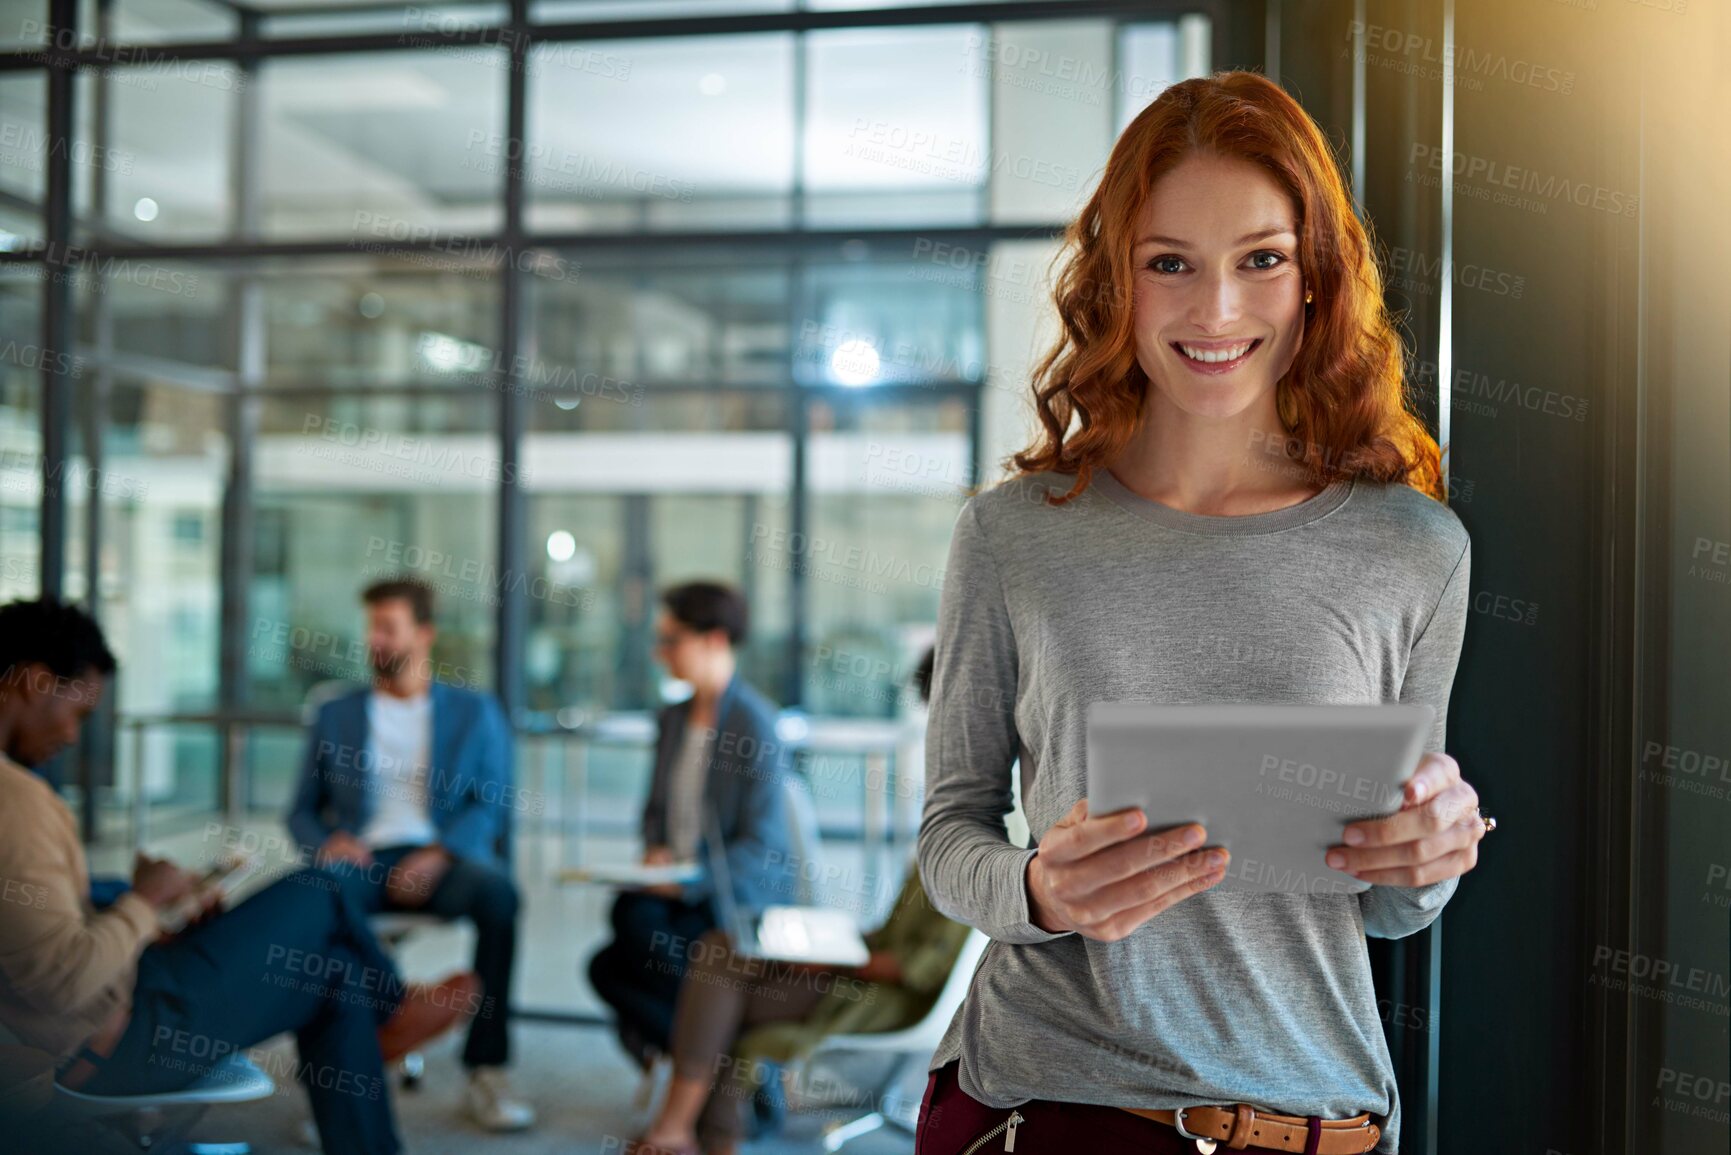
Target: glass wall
714	321
23	150
381	148
767	410
686	133
20	434
158	169
160	477
745	326
887	482
354	489
156	21
896	127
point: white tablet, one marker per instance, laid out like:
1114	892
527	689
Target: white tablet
1275	785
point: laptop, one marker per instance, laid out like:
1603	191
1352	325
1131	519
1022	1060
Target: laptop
801	934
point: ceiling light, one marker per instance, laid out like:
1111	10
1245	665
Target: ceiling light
854	362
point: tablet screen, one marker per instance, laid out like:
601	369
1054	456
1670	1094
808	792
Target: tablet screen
1273	784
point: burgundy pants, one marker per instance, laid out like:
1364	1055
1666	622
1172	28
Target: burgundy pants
951	1120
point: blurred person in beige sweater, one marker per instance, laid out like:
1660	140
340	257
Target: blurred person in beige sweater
124	1009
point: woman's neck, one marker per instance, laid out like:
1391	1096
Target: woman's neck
1224	467
706	695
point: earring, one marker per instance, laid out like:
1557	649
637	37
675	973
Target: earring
1307	296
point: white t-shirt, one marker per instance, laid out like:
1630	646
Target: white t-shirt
399	748
685	794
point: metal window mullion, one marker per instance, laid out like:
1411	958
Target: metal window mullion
97	745
732	24
56	336
1358	106
1271	40
1426	957
56	315
736	244
511	621
798	282
246	331
1446	211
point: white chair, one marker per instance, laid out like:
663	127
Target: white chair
908	1046
152	1122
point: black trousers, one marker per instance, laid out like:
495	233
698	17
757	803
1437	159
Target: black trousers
485	896
639	972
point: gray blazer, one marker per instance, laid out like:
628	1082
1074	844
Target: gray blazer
745	789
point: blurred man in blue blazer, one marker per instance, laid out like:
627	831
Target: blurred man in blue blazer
406	795
718	760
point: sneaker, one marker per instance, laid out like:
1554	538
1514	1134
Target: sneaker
491	1103
427	1011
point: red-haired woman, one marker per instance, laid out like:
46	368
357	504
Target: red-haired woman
1228	502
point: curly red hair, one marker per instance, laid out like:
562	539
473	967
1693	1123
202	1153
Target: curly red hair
1344	400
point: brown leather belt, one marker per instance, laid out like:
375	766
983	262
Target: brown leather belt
1244	1126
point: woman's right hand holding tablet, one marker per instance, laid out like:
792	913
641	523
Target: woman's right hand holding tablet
1104	877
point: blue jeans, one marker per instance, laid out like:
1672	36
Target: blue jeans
297	957
484	895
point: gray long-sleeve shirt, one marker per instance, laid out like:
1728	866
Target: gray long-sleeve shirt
1356	595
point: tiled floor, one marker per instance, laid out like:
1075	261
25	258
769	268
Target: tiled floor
579	1082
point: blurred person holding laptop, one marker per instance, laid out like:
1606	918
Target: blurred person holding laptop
126	1009
1245	513
742	1016
782	1010
719	764
405	796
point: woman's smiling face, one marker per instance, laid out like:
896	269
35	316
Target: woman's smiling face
1218	300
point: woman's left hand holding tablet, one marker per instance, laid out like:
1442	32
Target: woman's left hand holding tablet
1434	836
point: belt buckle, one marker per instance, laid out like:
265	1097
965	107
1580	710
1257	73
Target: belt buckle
1203	1143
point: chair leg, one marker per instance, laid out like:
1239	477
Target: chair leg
886	1114
411	1067
651	1081
769	1103
155	1128
841	1134
890	1099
